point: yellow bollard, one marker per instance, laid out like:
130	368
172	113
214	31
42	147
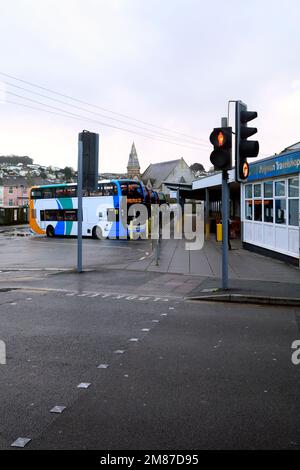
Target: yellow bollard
207	231
219	232
147	229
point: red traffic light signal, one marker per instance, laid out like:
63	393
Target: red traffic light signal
221	138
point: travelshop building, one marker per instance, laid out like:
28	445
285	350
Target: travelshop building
266	206
270	207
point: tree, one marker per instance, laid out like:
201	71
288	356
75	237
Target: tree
68	173
195	167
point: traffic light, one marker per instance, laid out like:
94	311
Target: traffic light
221	157
90	155
244	148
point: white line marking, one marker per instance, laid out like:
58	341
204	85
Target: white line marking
103	366
83	385
21	442
58	409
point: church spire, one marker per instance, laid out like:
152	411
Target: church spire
133	166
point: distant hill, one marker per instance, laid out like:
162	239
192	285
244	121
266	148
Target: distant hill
15	159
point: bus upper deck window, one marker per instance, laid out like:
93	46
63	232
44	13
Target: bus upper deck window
47	193
36	194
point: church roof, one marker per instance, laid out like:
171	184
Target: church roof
158	172
133	162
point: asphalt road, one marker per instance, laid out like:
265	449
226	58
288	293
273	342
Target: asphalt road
33	252
192	376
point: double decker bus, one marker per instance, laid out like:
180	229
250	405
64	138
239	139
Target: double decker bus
53	209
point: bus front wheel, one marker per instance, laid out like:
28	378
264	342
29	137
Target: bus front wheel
50	231
97	233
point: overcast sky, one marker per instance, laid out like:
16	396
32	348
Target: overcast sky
172	63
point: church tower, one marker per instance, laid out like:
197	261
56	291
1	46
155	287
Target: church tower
133	166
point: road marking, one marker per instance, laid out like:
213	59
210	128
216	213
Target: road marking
103	366
57	409
119	351
145	329
133	340
83	385
21	442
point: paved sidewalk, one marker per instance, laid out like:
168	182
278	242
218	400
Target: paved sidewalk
252	277
243	264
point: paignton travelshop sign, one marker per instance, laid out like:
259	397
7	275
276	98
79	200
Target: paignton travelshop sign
276	166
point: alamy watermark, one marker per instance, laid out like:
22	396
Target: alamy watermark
296	354
166	222
2	353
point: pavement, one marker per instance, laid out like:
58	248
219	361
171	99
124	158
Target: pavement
253	278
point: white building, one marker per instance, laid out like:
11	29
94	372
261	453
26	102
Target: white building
269	209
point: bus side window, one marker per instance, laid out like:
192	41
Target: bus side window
47	193
110	189
36	194
42	216
70	215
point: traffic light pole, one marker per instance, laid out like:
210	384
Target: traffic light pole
225	228
225	221
79	211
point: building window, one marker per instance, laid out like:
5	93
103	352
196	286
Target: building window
248	191
293	201
293	184
279	188
294	212
268	210
280	211
10	202
258	210
257	190
10	190
248	210
268	189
